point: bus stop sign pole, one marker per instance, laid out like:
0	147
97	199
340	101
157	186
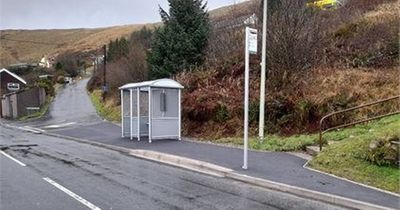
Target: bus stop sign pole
250	47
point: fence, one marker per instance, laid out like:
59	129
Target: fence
323	130
18	104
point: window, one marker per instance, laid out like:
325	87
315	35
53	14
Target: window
163	101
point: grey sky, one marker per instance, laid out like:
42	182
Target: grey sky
48	14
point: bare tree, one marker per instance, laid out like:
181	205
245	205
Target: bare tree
295	39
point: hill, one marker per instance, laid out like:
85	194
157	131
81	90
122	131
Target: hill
30	45
25	46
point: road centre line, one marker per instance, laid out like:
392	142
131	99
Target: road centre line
72	194
15	160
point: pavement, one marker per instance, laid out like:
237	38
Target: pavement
274	166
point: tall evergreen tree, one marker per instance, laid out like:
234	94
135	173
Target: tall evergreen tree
123	47
180	43
117	49
111	50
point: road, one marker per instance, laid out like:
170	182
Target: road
58	171
71	107
63	174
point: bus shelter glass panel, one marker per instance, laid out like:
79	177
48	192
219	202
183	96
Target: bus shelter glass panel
165	118
144	113
126	112
134	115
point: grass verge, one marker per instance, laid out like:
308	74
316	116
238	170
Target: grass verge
106	110
346	158
300	142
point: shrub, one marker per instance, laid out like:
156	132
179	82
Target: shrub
254	111
295	39
221	113
128	68
69	64
60	79
47	85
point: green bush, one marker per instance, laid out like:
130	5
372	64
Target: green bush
221	113
254	111
47	85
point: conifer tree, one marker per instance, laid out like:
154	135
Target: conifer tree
180	43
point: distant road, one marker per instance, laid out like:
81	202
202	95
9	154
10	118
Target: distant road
71	107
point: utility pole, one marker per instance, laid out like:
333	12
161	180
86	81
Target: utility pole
263	73
104	72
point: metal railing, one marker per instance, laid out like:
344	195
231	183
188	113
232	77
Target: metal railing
323	130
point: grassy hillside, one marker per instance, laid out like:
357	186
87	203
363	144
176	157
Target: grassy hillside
30	45
359	64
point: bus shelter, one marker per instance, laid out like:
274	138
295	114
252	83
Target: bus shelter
151	109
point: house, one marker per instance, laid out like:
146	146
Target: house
44	62
9	83
21	103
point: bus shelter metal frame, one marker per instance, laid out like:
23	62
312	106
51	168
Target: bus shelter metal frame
149	87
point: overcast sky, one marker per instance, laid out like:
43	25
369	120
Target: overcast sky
49	14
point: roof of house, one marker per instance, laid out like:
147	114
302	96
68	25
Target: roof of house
160	83
13	75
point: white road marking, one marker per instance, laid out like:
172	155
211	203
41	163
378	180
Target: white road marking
17	161
70	193
33	130
59	125
29	129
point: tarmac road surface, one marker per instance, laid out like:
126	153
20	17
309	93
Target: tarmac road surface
63	174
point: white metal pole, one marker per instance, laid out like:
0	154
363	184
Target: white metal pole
246	101
138	112
263	73
179	114
149	114
122	114
131	114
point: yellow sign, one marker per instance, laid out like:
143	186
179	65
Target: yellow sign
322	4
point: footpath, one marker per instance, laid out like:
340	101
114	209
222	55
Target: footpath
274	170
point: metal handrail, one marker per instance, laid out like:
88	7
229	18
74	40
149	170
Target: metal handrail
322	130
